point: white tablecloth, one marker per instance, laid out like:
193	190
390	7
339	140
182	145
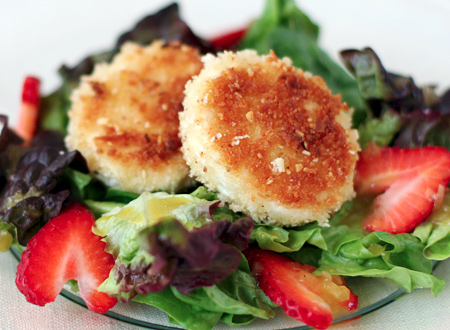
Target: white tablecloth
418	310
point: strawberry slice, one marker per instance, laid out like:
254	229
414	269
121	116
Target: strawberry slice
312	299
410	183
29	109
64	249
228	40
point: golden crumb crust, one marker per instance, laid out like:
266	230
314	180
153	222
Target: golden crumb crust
272	140
124	117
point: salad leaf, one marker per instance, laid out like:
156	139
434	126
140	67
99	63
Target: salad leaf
167	25
287	31
409	115
119	196
435	234
154	234
375	83
236	295
51	139
111	199
416	127
344	249
398	258
30	197
172	253
204	193
221	212
84	186
190	317
285	14
53	110
196	258
235	301
405	278
9	152
379	130
428	127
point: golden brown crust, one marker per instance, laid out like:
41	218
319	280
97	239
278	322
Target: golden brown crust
130	147
314	146
275	142
142	100
128	111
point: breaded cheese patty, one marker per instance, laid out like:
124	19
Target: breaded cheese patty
124	117
270	139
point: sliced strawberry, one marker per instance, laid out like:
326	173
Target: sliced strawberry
412	181
64	249
29	109
313	299
228	40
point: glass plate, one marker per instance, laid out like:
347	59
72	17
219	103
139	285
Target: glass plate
372	295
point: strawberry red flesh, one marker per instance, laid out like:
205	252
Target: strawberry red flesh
313	299
64	249
408	183
30	90
228	40
29	109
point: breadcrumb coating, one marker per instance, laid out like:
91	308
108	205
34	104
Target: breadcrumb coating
124	117
270	139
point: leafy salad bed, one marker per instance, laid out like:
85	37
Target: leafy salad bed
39	179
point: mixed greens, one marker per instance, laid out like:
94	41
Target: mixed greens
199	289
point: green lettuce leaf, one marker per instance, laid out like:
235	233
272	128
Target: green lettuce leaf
122	224
236	301
178	239
379	130
53	109
143	244
345	249
108	201
190	317
435	233
236	295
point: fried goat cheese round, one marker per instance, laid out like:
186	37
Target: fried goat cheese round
124	117
270	139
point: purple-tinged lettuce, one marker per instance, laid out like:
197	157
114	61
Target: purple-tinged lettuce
190	259
403	113
167	25
8	148
160	240
383	89
30	197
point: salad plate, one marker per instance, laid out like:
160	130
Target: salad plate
372	294
37	47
